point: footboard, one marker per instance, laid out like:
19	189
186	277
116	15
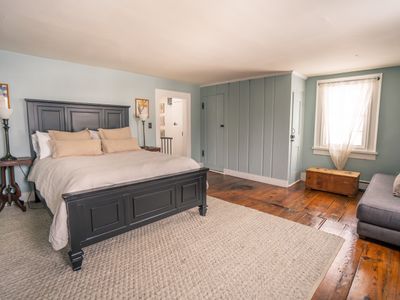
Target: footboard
96	215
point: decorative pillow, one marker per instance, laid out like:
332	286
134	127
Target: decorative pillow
66	135
122	145
115	134
76	148
94	135
44	144
35	145
396	186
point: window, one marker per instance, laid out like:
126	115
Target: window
347	111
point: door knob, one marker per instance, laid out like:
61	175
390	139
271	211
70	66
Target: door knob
222	125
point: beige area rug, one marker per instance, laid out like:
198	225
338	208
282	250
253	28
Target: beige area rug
232	253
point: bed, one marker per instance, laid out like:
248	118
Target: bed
95	198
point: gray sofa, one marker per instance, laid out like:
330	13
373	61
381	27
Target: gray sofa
378	211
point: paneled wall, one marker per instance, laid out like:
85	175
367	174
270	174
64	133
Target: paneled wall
257	125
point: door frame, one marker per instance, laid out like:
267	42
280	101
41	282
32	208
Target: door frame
187	120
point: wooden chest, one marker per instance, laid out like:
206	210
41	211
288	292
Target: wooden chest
334	181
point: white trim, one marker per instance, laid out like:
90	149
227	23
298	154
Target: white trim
248	78
298	180
201	164
362	185
368	155
303	176
26	196
263	179
159	94
298	74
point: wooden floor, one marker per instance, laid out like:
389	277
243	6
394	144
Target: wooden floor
361	270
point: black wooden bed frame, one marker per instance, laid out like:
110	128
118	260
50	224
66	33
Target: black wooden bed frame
98	214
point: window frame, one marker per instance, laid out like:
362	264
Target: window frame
368	151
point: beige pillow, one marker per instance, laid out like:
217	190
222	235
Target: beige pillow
396	186
123	145
76	148
115	134
66	135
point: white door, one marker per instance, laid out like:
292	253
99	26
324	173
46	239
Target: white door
214	132
296	137
174	125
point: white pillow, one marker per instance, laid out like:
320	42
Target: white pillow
44	144
396	186
94	135
35	145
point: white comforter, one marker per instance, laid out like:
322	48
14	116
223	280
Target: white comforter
54	177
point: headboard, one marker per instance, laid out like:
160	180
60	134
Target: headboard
45	115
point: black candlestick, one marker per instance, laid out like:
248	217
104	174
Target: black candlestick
144	138
8	155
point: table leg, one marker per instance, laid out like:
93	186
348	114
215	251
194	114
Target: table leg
17	194
3	198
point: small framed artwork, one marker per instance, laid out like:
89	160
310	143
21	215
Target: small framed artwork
6	95
141	107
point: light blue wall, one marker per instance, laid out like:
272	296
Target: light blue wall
41	78
388	146
257	120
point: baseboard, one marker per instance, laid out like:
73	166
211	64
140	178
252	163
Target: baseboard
201	164
362	185
263	179
303	176
27	196
293	183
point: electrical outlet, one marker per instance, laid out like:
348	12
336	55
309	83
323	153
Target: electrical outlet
150	125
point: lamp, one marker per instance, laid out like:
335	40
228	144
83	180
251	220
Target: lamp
143	116
5	114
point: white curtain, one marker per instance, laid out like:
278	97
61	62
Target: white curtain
345	106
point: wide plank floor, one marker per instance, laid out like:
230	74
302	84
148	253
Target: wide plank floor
362	270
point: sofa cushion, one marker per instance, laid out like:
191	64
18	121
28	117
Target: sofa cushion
378	206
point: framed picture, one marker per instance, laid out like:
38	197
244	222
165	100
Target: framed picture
5	93
141	107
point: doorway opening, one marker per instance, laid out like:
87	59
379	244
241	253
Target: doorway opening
173	130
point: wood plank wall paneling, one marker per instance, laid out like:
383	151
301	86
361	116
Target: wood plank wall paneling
268	125
244	110
257	122
233	126
256	126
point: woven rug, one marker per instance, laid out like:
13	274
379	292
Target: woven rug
232	253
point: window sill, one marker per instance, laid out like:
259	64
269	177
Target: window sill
367	155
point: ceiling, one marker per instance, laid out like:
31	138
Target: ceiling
207	41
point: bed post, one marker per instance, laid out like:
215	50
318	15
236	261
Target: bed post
76	252
203	206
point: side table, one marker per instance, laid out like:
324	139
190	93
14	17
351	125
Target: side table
10	192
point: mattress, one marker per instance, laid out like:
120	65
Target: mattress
55	177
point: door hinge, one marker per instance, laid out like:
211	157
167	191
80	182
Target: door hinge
202	105
202	153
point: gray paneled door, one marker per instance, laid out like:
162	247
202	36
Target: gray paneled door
214	132
296	136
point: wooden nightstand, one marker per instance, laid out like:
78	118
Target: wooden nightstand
151	148
334	181
11	192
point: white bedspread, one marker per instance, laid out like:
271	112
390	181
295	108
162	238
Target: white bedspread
54	177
